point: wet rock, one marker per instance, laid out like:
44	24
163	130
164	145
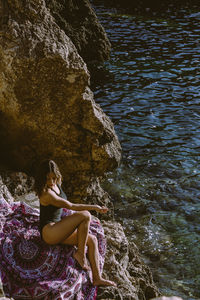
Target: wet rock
169	204
46	106
124	265
79	22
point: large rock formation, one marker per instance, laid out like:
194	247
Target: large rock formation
123	263
48	110
81	25
46	106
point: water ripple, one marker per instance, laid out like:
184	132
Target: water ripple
150	90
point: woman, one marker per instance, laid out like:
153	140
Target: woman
70	230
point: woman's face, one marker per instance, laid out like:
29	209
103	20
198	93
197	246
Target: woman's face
51	180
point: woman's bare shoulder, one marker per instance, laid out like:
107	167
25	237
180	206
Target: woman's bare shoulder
45	197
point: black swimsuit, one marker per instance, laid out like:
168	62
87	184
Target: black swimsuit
50	213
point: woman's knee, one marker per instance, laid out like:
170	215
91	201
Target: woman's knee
85	214
92	240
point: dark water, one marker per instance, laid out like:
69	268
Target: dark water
151	90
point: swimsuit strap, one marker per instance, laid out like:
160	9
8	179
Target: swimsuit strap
55	191
62	194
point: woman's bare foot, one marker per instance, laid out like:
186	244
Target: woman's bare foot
81	260
104	282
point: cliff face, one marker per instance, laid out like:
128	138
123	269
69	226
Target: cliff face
81	25
47	108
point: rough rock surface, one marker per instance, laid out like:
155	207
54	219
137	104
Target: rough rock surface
80	23
122	264
46	106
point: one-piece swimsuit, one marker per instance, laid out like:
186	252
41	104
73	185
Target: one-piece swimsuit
50	213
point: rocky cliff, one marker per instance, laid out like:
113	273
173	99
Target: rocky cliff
81	25
47	110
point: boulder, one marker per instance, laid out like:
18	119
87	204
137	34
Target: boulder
79	22
47	109
123	264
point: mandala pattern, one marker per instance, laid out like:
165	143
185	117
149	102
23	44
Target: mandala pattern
31	269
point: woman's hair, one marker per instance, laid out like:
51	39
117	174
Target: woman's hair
46	167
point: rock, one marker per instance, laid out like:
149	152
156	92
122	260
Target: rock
20	185
4	192
17	183
79	22
1	291
46	106
124	265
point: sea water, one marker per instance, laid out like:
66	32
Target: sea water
150	88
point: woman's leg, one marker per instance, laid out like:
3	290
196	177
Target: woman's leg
93	255
55	233
82	236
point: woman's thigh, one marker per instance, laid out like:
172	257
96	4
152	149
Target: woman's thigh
55	233
73	239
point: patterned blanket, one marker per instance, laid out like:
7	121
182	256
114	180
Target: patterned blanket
31	269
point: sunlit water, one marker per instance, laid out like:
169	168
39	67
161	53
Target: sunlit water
151	90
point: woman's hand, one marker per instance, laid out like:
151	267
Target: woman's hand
101	209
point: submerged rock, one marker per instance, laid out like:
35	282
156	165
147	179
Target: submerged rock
46	106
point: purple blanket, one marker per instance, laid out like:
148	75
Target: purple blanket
31	269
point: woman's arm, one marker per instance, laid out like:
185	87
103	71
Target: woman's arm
50	197
78	207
